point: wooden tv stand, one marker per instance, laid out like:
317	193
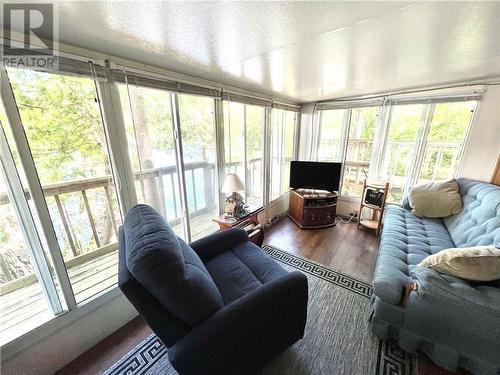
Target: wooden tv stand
312	209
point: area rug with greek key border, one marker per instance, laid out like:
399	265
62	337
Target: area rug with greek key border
337	339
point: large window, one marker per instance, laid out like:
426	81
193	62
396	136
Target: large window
332	126
417	143
63	127
359	149
243	144
59	241
346	135
148	121
29	292
283	127
196	115
22	308
405	122
445	141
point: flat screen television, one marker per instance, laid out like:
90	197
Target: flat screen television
315	175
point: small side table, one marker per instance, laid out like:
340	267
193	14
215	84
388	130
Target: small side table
248	222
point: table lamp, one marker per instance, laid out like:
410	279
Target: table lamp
234	206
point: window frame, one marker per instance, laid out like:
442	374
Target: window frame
381	136
34	247
111	113
35	187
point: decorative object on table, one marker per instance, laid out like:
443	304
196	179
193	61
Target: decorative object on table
373	197
234	205
249	222
435	199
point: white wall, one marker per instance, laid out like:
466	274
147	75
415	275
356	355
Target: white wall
52	346
483	147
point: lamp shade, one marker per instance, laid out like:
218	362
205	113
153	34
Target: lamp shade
232	183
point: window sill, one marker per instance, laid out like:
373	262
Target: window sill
54	325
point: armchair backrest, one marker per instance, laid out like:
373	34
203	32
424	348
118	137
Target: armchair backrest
168	269
166	325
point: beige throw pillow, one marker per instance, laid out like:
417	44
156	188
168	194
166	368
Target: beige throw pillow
479	263
435	199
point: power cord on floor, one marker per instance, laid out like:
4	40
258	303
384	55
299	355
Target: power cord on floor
344	221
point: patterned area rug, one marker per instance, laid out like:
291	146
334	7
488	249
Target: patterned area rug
337	339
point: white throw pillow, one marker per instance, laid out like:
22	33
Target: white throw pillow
435	199
479	263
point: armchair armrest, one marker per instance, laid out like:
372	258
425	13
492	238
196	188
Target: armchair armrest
254	328
218	242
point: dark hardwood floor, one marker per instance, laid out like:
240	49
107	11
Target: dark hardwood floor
343	248
109	351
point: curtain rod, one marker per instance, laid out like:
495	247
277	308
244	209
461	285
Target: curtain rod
410	91
210	85
99	58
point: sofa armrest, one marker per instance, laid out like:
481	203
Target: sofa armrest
245	334
452	290
390	280
218	242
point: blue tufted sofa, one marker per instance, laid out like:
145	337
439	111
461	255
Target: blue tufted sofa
455	322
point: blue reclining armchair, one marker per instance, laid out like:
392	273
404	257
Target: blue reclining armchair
220	305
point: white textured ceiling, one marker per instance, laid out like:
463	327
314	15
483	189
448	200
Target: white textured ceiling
301	51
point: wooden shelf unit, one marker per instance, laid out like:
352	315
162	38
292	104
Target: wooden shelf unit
312	209
375	222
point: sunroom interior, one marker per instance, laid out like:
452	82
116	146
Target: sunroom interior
405	92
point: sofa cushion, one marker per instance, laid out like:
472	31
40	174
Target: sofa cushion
478	263
406	241
435	199
479	221
167	267
241	270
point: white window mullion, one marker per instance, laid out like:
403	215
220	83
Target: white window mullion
344	135
419	146
245	156
344	139
220	151
180	166
317	136
422	137
472	121
296	137
380	148
35	187
116	137
282	151
267	160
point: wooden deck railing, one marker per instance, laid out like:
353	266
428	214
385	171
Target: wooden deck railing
440	161
160	189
